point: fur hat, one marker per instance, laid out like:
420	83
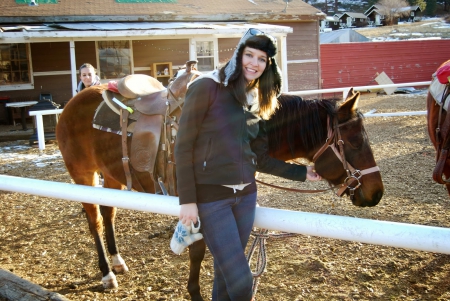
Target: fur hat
257	39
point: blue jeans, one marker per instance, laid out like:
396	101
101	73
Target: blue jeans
226	227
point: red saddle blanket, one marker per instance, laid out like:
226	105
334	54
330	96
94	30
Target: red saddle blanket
112	86
443	74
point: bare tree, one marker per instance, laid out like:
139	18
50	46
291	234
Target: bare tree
392	9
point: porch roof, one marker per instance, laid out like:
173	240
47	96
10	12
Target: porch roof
86	31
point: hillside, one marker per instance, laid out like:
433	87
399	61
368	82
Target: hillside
427	28
356	6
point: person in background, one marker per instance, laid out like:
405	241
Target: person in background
88	77
221	144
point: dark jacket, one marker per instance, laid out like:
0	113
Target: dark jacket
219	142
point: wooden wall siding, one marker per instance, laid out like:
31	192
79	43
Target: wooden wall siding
301	45
357	64
85	53
226	49
303	77
54	56
60	86
147	52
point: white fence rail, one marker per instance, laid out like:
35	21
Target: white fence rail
359	88
400	235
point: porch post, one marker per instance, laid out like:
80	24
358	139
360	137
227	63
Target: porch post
283	63
73	68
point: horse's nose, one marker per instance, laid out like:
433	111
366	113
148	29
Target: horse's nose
362	201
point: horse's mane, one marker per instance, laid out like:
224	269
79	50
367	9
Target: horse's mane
299	119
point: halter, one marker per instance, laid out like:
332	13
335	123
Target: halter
336	143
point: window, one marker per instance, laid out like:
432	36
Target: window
205	55
14	65
115	59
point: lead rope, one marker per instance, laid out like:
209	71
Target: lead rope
259	243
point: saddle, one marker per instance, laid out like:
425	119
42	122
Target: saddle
440	90
144	107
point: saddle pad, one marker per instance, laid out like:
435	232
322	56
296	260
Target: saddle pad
437	90
106	120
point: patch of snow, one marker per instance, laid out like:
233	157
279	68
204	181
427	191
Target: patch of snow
16	154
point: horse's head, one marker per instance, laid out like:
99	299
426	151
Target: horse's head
352	166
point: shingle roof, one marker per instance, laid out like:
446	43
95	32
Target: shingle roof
182	10
355	15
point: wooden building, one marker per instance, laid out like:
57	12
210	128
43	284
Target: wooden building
330	23
376	15
349	20
43	45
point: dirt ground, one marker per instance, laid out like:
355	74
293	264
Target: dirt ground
47	241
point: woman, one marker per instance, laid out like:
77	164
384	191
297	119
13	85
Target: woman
87	77
220	145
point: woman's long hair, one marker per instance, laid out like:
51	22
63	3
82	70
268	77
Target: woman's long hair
268	84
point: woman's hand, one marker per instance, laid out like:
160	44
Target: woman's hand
311	174
188	213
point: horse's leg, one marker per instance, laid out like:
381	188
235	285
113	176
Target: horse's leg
95	222
196	254
84	172
109	215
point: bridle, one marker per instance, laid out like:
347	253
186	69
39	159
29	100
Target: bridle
335	142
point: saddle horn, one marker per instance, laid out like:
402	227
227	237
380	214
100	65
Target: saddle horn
190	65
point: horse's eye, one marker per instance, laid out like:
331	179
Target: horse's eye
356	140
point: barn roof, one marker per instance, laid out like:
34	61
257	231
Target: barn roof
354	15
12	11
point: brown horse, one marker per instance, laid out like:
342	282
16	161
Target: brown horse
87	151
438	124
332	136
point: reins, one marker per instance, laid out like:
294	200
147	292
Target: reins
294	189
259	244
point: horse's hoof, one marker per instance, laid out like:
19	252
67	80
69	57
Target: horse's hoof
118	264
109	281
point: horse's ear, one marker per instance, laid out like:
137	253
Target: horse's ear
348	108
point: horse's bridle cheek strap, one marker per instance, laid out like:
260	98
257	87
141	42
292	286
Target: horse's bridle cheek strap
353	175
